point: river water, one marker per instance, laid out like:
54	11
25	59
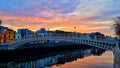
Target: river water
79	58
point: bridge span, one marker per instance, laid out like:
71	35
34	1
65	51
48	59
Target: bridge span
95	42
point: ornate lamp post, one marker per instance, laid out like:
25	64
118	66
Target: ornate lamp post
74	29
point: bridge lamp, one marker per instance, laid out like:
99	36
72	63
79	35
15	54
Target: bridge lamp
74	29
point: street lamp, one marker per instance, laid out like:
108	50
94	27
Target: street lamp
74	29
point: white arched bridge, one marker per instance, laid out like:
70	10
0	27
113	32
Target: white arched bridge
104	43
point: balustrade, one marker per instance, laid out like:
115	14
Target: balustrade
104	43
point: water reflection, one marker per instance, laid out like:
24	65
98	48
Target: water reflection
56	58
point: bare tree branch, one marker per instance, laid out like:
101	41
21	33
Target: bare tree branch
116	26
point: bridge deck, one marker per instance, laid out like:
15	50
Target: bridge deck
107	45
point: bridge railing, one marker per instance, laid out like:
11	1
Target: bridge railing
85	37
61	37
109	39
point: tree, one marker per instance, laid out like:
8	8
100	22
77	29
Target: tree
116	26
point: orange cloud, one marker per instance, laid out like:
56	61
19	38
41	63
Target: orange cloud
58	22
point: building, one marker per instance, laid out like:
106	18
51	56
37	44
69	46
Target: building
2	28
97	35
7	36
23	33
42	32
11	35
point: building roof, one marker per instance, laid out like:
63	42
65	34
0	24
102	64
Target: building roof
2	28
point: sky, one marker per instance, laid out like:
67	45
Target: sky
86	15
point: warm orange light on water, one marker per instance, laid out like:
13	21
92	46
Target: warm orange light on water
106	60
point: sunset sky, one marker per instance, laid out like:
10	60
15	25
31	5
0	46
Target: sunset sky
86	15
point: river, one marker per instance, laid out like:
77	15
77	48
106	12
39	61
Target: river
79	58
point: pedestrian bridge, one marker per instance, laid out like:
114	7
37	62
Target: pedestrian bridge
107	44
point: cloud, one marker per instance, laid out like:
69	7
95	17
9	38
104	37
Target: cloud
86	15
37	7
97	9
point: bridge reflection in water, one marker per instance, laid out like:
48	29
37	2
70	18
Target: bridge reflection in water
54	58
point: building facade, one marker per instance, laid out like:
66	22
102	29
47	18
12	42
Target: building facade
24	33
6	35
42	32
